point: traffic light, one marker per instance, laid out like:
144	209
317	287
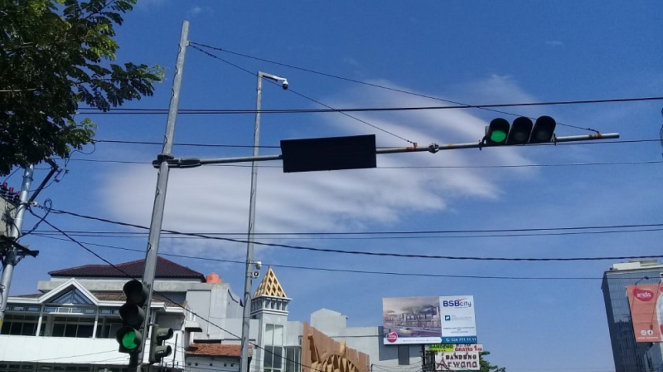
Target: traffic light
544	130
157	348
521	132
496	132
130	336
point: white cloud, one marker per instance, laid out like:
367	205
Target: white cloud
555	43
215	199
198	10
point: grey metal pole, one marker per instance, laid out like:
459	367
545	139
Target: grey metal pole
162	184
248	279
11	258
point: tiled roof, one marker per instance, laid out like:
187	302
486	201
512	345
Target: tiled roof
110	296
215	349
165	269
119	296
270	286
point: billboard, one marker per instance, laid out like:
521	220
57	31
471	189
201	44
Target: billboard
458	357
429	320
646	311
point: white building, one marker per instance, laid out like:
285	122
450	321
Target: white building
70	325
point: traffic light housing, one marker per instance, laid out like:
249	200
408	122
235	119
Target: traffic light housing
130	335
157	348
497	132
521	132
544	130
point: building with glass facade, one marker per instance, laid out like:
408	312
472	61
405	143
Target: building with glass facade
628	355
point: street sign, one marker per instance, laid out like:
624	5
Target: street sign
331	153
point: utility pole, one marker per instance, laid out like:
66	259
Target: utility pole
248	280
11	257
162	183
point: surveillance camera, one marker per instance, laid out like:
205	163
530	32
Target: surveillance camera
258	265
256	274
285	84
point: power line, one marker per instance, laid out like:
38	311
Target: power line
162	294
151	143
505	166
129	111
368	84
369	253
336	270
302	236
308	98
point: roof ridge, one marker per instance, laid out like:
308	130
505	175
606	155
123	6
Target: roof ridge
165	269
270	286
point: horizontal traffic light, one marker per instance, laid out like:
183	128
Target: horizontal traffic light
522	131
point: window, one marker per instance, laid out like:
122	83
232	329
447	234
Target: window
108	326
403	355
19	324
73	296
64	326
273	357
293	356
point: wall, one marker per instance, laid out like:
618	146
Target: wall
368	340
322	353
65	350
208	363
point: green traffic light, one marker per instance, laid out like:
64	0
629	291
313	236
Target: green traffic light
129	340
497	136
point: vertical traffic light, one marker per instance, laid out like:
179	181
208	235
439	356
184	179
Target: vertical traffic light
157	348
130	336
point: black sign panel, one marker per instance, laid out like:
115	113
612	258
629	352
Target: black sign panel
331	153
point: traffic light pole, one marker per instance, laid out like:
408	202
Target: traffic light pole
433	148
11	257
162	183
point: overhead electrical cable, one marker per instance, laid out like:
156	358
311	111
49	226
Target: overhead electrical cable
308	98
505	166
129	111
327	269
370	253
166	235
154	143
160	293
367	83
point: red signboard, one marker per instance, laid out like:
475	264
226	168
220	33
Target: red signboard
646	302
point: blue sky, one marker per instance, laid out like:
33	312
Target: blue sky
466	51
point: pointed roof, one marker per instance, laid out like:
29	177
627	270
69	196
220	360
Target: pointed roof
165	269
270	286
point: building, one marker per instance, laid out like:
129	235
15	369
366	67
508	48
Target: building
70	325
369	340
628	355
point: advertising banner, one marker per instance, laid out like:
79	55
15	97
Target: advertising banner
429	320
458	323
646	311
460	358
